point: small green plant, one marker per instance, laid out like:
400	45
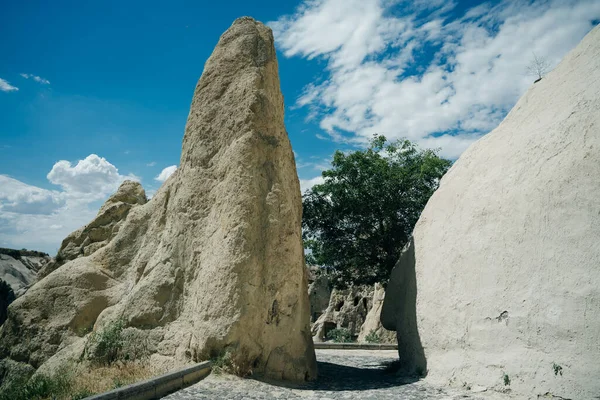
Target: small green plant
233	361
222	362
38	387
340	335
82	394
373	337
506	379
557	369
105	347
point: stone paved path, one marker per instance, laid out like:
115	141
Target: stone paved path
343	374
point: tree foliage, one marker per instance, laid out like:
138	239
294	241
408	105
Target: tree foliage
7	296
356	222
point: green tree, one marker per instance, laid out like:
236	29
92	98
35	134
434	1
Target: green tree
356	223
7	296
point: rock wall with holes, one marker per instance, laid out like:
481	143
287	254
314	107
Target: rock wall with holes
500	285
356	309
347	308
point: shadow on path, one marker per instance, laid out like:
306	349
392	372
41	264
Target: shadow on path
338	377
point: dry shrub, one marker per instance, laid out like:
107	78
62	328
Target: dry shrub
99	379
233	361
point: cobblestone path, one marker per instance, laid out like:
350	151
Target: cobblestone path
343	374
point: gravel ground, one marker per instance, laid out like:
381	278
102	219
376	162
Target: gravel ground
343	374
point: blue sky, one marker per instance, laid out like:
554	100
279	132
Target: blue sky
92	93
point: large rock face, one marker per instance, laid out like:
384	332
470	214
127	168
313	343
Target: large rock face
102	229
215	259
503	275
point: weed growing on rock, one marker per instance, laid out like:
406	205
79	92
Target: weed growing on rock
104	346
506	380
373	337
115	343
232	362
557	369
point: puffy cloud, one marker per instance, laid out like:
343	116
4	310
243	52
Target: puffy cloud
39	219
306	184
36	78
166	173
406	69
94	176
18	197
7	87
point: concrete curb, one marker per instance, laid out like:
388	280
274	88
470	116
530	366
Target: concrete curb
355	346
155	388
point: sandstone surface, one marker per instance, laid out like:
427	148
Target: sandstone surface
215	259
500	286
319	293
372	324
347	309
102	229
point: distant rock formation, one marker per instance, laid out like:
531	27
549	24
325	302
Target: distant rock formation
356	308
215	259
372	324
18	271
347	308
102	229
500	286
319	292
19	268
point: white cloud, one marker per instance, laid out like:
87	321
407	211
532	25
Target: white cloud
18	197
7	87
39	219
94	176
166	173
440	82
306	184
36	78
151	164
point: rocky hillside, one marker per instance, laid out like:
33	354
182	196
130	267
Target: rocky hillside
19	268
214	261
102	229
500	286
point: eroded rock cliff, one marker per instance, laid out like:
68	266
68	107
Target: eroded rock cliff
102	229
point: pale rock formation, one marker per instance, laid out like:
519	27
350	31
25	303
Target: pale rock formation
319	292
372	322
347	308
215	259
502	277
102	229
19	268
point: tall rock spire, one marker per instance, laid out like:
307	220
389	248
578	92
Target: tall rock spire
214	260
